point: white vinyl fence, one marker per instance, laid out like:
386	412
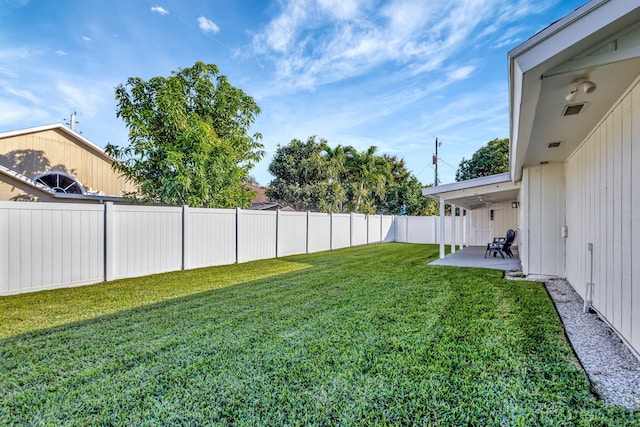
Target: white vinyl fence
54	245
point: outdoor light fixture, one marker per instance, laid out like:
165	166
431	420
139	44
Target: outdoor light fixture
581	84
515	204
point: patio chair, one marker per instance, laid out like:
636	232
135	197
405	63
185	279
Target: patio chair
501	245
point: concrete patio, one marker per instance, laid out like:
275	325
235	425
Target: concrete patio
473	256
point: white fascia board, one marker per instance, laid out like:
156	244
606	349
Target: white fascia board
550	46
437	191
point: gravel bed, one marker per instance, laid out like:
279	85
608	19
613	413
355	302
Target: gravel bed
612	369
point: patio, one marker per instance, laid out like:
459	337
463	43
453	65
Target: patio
473	256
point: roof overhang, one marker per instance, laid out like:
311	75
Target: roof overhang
476	193
599	41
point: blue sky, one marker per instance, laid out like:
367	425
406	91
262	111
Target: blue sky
395	74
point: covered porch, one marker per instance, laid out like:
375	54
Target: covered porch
481	209
474	256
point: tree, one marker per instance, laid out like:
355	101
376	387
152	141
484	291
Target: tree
306	178
367	173
403	195
490	159
188	138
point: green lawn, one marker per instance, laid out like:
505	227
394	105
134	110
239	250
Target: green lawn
361	336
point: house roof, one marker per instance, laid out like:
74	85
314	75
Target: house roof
476	193
599	41
64	129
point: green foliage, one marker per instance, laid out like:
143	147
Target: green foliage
306	177
188	138
295	341
490	159
311	175
404	192
367	173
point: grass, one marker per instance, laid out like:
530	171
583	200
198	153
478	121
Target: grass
361	336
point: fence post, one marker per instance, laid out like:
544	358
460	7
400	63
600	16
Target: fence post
277	231
185	232
307	250
351	229
108	241
331	231
368	219
406	229
237	235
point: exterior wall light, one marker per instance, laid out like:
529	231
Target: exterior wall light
581	84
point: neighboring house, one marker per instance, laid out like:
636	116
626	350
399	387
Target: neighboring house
574	93
55	163
261	202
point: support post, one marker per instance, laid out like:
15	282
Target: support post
464	230
453	229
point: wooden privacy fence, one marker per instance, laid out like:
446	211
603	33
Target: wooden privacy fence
53	245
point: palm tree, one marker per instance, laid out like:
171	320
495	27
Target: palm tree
368	172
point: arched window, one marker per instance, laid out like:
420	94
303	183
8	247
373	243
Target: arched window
60	182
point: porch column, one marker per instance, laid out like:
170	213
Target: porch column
464	229
441	228
453	229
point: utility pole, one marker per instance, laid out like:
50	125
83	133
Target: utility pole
435	162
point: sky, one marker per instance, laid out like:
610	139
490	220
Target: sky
396	74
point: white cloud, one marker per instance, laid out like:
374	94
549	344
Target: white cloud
86	38
461	73
317	42
12	112
7	55
20	93
160	10
84	96
340	9
61	52
207	25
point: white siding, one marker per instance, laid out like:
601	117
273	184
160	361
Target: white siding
50	245
256	235
319	232
146	240
545	216
292	233
483	229
210	237
603	208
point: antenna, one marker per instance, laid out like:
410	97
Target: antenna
72	122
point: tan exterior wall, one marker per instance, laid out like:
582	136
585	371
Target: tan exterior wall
54	149
603	208
14	190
